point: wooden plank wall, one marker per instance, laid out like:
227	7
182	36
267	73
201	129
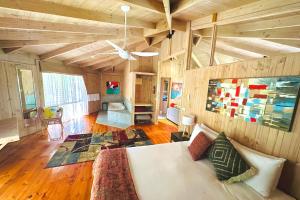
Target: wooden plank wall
111	77
262	138
144	64
10	102
93	86
173	69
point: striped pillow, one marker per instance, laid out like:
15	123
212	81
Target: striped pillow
199	145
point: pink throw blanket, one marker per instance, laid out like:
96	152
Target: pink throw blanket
112	177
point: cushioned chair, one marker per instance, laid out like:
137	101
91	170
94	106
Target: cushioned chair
56	118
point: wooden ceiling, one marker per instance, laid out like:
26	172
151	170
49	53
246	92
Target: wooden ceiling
74	32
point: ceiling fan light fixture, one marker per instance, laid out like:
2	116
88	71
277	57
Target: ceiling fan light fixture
125	8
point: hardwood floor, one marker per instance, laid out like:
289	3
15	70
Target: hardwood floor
22	164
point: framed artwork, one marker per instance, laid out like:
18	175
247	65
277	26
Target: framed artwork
112	87
176	90
268	101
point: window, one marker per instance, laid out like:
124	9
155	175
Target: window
67	91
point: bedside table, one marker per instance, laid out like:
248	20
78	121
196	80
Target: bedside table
177	137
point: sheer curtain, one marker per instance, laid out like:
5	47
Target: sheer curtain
67	91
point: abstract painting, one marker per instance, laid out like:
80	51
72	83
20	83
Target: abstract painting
176	90
112	87
268	101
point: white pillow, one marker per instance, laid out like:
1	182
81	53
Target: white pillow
202	128
212	134
196	131
269	169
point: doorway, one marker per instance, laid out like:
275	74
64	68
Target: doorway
164	97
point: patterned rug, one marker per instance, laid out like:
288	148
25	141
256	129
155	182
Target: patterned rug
85	147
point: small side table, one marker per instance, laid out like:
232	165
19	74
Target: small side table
177	137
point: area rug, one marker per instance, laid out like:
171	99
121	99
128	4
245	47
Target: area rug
85	147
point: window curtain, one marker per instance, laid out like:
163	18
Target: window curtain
67	91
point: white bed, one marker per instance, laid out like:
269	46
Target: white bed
167	172
116	106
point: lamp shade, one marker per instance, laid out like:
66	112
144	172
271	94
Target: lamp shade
188	120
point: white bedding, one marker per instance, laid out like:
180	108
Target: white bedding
167	172
116	106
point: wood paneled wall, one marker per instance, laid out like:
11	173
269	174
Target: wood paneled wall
173	47
93	86
173	69
262	138
111	77
144	64
10	105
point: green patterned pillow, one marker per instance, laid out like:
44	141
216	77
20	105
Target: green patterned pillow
229	165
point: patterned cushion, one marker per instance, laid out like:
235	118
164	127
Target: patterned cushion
228	163
199	145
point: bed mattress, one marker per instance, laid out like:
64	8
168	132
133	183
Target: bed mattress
167	172
116	106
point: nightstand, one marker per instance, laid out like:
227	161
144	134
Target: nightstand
177	137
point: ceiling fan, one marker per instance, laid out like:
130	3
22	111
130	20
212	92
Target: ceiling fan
123	52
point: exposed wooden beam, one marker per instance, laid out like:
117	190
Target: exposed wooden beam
183	5
196	60
280	22
162	26
21	43
188	46
149	5
158	45
10	34
167	7
158	38
111	62
213	40
10	50
249	12
99	60
24	24
292	43
39	6
148	40
281	33
62	50
87	55
250	46
94	54
205	47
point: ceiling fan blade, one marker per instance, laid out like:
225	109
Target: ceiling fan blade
115	46
108	53
131	57
145	54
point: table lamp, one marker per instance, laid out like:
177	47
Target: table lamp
187	120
